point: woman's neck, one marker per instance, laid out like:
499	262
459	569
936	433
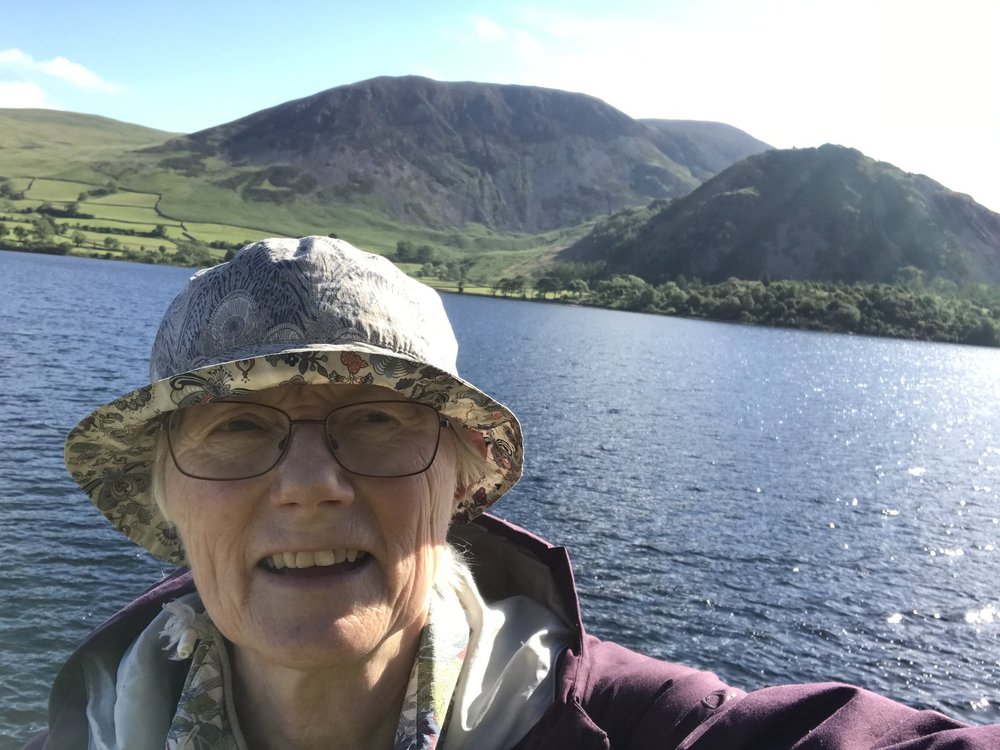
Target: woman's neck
355	706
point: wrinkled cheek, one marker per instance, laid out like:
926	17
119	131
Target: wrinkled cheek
213	563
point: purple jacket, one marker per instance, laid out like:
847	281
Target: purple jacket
606	696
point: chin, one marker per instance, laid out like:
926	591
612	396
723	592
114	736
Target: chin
310	644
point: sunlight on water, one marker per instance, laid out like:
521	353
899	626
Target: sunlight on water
984	616
948	552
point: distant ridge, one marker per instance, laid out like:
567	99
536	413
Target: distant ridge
706	148
21	129
827	213
512	158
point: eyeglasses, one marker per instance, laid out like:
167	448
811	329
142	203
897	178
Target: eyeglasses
240	440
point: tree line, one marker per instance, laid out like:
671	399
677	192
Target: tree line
940	311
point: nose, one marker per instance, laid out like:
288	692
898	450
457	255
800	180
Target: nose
308	475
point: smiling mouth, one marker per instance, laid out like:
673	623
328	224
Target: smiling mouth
323	562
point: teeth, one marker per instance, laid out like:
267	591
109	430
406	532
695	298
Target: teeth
325	558
311	559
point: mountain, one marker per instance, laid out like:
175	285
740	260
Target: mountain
705	148
828	213
512	158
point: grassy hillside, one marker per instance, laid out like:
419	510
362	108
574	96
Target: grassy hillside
828	213
706	148
106	194
37	142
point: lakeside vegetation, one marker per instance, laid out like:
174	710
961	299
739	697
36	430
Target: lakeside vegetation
942	312
911	308
105	221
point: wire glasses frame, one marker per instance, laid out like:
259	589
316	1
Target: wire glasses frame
231	440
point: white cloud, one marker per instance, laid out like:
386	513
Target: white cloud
14	58
488	30
527	46
59	67
18	95
75	73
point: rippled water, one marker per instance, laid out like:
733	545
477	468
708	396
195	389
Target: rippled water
773	505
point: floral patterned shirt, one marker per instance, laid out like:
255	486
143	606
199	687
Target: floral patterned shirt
206	717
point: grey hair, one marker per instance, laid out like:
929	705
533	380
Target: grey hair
471	466
161	458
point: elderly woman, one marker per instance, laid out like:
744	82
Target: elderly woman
307	452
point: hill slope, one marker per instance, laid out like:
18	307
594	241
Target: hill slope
513	158
826	213
705	148
40	141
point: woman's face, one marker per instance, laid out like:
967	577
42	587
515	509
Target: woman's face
309	509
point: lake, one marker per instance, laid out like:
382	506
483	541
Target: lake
773	505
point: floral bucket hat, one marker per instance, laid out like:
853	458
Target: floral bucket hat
310	311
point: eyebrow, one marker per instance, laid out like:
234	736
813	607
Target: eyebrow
358	397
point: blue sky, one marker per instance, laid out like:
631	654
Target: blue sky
914	83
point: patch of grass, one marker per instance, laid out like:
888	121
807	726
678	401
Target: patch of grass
54	190
127	198
130	214
225	233
95	240
124	226
12	222
495	265
447	285
20	205
19	184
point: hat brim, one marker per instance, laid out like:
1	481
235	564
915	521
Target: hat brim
110	453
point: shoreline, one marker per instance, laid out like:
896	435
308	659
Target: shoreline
876	311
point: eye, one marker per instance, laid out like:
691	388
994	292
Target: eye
367	418
239	425
375	417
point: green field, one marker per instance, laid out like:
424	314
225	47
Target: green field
55	191
127	198
126	214
20	183
48	159
110	224
225	233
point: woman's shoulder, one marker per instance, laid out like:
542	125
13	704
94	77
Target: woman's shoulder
630	695
102	650
637	701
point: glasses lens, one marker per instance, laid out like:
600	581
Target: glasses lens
227	439
236	440
384	438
